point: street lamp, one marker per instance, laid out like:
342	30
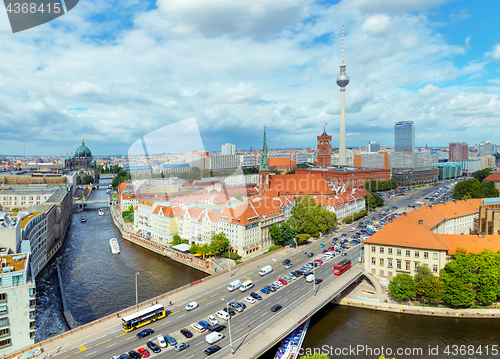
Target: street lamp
136	293
314	274
229	260
229	326
424	297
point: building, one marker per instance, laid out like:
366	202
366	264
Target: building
426	236
346	204
415	176
372	146
82	163
347	176
495	177
488	162
324	157
470	166
458	151
17	302
23	197
342	82
228	149
282	164
488	221
222	163
449	170
371	160
404	137
485	149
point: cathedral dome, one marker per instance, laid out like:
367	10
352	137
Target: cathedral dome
83	151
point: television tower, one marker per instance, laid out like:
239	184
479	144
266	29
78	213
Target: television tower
342	81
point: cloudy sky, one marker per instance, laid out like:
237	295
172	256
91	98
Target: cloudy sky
113	72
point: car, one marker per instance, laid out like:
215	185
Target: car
255	296
286	261
144	352
265	291
236	307
243	305
181	346
276	307
310	254
291	275
212	320
336	239
249	300
204	324
318	261
281	280
161	341
222	315
145	333
321	245
278	284
217	328
155	348
230	311
343	254
318	280
307	274
186	333
170	340
115	357
271	288
289	265
125	356
198	327
212	349
352	229
134	355
191	306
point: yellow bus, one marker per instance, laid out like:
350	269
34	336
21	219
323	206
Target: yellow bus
143	317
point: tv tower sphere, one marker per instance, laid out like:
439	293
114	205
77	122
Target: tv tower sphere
342	79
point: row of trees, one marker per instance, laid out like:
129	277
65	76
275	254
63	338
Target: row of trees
374	200
87	179
470	279
481	174
121	176
473	188
374	185
219	244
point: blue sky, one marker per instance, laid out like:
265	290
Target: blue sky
113	72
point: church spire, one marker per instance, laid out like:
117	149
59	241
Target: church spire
264	165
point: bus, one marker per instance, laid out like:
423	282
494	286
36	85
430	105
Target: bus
342	267
143	317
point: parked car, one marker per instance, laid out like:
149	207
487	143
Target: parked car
134	355
250	300
170	340
229	310
155	348
281	280
186	333
217	328
212	349
276	307
145	333
144	352
265	291
181	346
255	296
204	324
289	265
197	327
161	341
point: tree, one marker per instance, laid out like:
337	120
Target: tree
176	239
423	273
431	288
288	233
481	174
402	287
275	233
488	281
473	188
205	249
88	179
459	278
311	217
78	180
219	243
194	249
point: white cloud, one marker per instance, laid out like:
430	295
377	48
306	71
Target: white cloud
428	91
496	52
377	24
242	92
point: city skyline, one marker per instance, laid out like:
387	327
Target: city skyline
113	72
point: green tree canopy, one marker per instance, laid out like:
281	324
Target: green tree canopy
195	248
459	278
311	217
402	287
473	188
423	273
481	174
88	179
219	243
431	288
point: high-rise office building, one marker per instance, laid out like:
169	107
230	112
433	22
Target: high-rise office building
484	149
404	137
458	151
228	149
372	146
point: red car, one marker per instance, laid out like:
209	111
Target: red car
282	281
331	248
144	352
319	261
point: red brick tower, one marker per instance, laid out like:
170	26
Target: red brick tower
324	158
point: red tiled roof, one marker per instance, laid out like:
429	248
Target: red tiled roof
299	184
493	177
280	162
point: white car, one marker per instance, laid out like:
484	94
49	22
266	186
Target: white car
352	229
161	341
191	306
279	284
310	278
222	315
197	327
212	320
250	300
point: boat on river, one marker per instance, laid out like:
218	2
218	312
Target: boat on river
101	212
290	346
115	248
83	218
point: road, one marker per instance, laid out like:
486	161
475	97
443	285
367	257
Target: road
244	326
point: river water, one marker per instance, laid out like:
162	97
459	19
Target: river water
98	283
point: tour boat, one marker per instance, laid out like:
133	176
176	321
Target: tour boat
83	218
101	212
115	248
290	346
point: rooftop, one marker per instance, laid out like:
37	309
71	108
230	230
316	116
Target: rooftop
14	262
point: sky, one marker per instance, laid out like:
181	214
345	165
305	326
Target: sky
111	72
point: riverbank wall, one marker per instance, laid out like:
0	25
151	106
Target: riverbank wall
418	310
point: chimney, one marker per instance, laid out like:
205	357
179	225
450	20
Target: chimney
481	235
420	221
390	219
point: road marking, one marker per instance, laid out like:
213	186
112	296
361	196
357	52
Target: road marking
202	300
214	295
109	346
256	276
180	316
237	330
225	290
130	338
103	342
91	353
120	335
248	278
67	356
82	348
263	314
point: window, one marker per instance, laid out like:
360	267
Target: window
373	261
426	254
435	268
373	271
398	265
3	309
407	253
407	266
381	250
32	325
381	272
32	302
17	279
389	263
417	265
32	335
32	314
4	343
390	250
389	274
398	252
417	254
381	262
373	249
434	256
32	291
4	321
4	332
3	296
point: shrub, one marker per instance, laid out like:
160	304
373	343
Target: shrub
273	248
231	255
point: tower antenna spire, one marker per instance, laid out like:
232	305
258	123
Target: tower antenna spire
342	43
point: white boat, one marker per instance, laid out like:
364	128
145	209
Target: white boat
290	346
115	248
101	212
